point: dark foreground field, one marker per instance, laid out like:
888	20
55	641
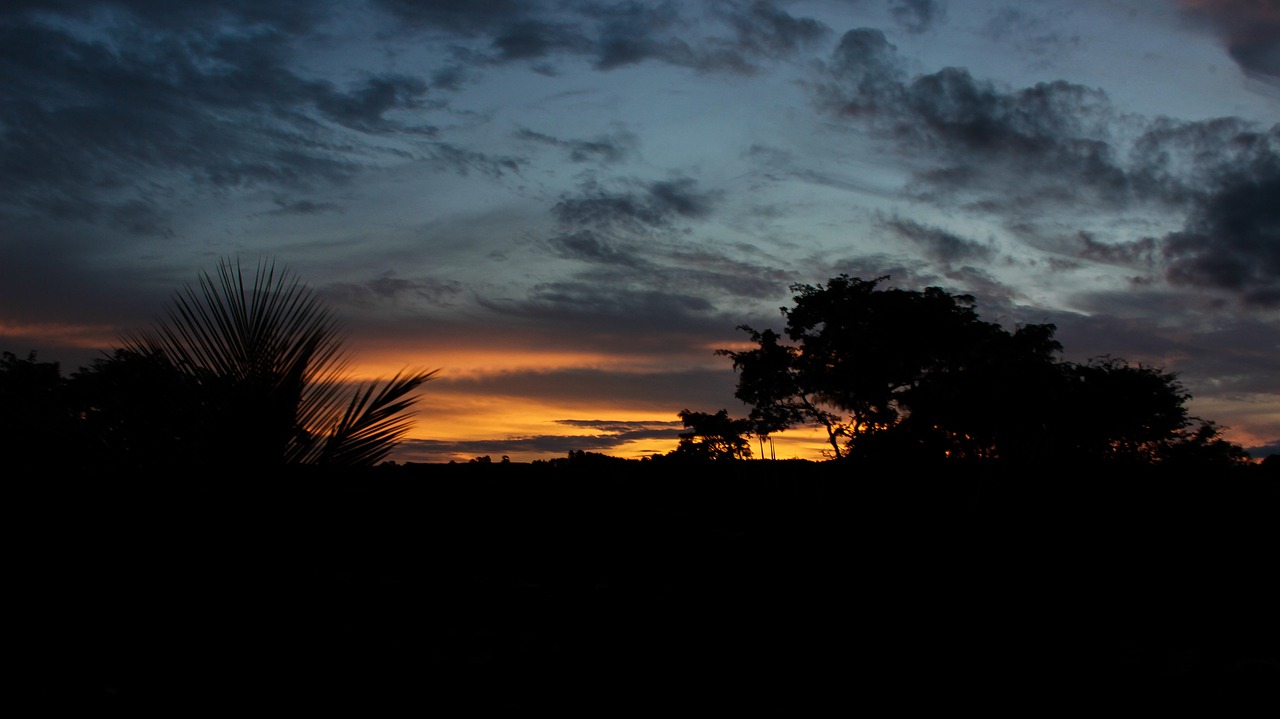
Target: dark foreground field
644	586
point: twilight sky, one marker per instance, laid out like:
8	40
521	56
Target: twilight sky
567	206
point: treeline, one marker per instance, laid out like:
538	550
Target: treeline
246	372
894	374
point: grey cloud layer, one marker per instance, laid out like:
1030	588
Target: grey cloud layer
1055	145
613	35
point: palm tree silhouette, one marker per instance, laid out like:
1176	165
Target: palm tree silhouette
266	369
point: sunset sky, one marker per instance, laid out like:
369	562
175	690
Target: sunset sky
568	206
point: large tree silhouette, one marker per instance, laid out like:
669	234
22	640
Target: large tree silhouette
254	375
898	373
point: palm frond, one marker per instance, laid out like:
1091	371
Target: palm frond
267	358
373	421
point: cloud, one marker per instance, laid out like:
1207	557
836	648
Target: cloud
100	127
917	16
364	108
730	37
292	16
1250	28
1139	252
532	39
470	17
655	205
1057	146
388	288
1031	35
956	115
1231	239
606	149
613	436
663	392
762	30
939	244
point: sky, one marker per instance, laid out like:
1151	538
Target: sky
567	206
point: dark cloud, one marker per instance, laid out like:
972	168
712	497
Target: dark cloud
973	131
613	35
104	125
657	205
589	246
611	148
664	392
1051	145
917	16
1216	355
939	244
462	16
1250	28
1262	451
1232	238
388	288
609	441
1228	173
364	107
1136	253
619	426
463	161
763	30
293	16
648	308
286	206
532	39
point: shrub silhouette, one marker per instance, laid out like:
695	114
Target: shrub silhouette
259	373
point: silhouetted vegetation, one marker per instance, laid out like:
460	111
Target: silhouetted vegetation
713	436
240	374
1077	538
895	374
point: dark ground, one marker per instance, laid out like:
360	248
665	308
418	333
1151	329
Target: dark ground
757	586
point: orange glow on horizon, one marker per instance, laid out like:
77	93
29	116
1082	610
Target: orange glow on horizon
470	363
60	334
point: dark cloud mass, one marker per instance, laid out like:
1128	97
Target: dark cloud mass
614	35
938	243
214	104
764	30
1232	238
1052	145
1251	29
611	437
981	130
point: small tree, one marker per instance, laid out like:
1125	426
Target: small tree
714	436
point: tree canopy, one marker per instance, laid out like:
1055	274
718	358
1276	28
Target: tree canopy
887	371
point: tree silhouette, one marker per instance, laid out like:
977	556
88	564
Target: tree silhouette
34	418
713	436
260	366
859	353
894	373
